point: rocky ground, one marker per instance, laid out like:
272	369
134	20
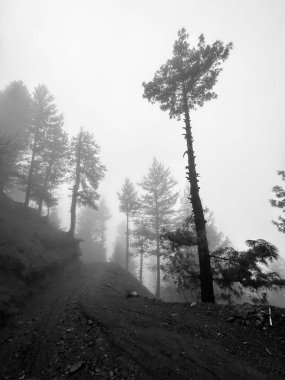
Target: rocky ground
83	326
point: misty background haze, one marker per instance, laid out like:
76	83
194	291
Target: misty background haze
94	55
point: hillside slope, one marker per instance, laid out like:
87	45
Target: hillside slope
84	325
30	248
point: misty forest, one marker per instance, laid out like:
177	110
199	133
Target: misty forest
142	191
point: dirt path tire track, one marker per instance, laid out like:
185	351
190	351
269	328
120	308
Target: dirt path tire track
52	334
145	331
84	317
28	346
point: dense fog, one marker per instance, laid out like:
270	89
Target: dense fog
142	192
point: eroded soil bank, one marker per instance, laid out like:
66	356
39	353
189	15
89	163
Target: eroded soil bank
82	326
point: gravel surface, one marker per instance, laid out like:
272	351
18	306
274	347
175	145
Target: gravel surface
85	326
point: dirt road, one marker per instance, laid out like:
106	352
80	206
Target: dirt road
83	326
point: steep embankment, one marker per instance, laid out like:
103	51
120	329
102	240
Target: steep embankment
30	248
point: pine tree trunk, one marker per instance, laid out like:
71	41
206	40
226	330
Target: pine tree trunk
73	206
32	165
158	267
141	266
45	186
30	177
207	291
40	208
75	189
157	258
127	244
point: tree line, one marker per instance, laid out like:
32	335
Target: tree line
37	155
160	226
151	211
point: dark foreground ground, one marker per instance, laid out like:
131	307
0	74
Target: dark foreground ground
82	326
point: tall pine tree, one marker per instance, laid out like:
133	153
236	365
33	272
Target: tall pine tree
36	162
15	117
54	161
142	244
129	205
86	171
119	252
157	202
182	84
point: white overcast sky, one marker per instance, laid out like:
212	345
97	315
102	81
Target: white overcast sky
94	55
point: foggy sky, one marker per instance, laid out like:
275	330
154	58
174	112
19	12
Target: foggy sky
94	55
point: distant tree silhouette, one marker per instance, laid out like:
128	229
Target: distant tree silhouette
119	252
7	159
182	84
86	171
36	171
129	205
142	244
157	203
54	161
279	202
15	116
91	229
54	218
102	216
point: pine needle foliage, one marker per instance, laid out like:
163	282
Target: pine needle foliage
279	202
248	269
